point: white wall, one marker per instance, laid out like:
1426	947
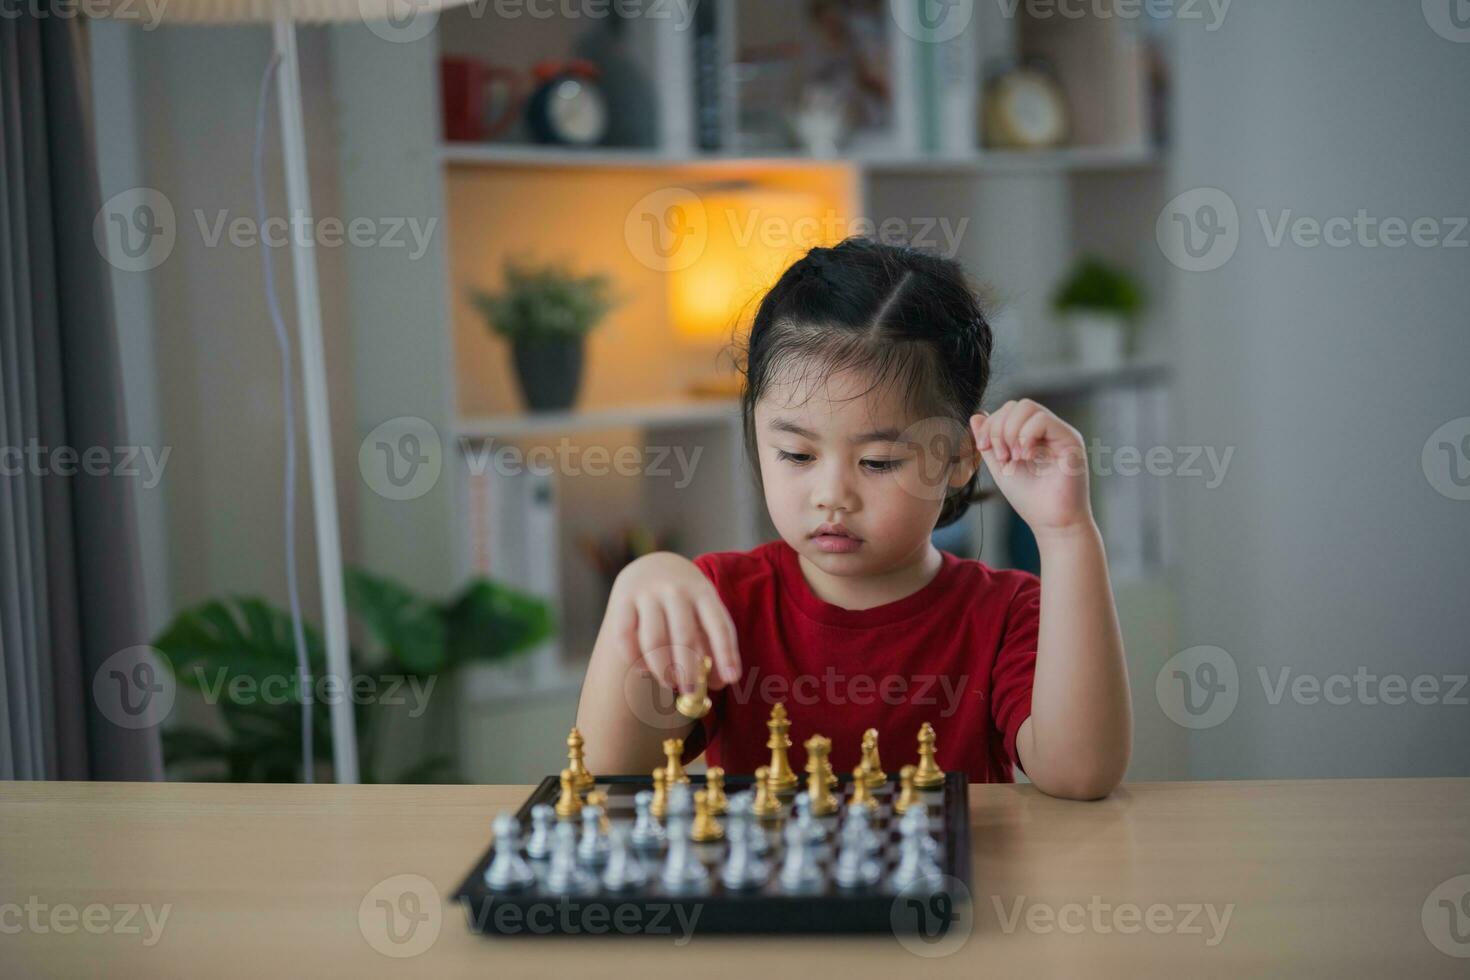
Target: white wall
1326	549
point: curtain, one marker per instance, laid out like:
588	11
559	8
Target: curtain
79	695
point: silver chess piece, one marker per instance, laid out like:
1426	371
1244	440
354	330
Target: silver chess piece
744	802
856	867
623	870
592	849
538	847
810	825
508	871
682	869
743	867
916	851
863	816
799	870
648	834
565	876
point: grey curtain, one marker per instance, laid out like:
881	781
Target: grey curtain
71	608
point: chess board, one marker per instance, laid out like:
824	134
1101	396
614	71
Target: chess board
768	908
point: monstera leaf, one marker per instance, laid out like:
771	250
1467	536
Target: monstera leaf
493	622
409	628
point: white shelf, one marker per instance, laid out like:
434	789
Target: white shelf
1077	160
1052	379
663	415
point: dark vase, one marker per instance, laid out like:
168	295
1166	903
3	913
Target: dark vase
549	370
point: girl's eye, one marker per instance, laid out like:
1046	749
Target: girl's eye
797	458
882	465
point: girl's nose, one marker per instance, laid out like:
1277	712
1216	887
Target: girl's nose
833	491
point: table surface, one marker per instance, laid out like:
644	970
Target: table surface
1340	878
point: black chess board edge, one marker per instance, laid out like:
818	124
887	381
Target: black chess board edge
832	911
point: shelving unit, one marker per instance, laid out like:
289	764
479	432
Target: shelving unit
1020	219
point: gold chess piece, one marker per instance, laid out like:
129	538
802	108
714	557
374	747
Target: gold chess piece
674	768
781	778
875	776
714	782
817	749
581	776
569	804
705	827
928	774
695	702
765	805
862	795
660	804
907	797
598	798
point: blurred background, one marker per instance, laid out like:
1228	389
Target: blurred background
1226	240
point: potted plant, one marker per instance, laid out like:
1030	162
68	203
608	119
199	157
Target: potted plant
546	313
1100	304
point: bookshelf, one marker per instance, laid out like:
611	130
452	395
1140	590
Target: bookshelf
1027	216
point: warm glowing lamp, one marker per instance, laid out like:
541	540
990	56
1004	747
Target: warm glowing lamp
750	234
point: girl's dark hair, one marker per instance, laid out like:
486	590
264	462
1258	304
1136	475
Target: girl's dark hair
892	312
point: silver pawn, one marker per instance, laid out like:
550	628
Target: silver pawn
538	848
742	803
799	871
648	835
682	870
802	807
623	870
593	847
508	871
856	866
915	854
566	876
743	868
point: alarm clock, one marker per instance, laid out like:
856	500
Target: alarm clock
567	106
1025	109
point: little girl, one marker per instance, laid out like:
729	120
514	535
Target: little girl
864	373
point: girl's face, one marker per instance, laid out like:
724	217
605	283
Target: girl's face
838	457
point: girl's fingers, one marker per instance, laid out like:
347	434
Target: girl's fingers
1035	429
1014	420
686	639
653	640
719	629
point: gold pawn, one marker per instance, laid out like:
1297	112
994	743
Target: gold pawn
782	779
705	827
714	781
861	794
569	804
823	802
674	770
581	776
660	805
907	797
928	775
765	805
695	702
875	775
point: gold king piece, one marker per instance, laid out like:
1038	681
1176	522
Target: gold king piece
695	702
581	776
781	779
928	774
817	749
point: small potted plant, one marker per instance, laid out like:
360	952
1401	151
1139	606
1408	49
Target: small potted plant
1100	304
546	313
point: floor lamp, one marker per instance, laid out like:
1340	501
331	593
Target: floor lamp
393	20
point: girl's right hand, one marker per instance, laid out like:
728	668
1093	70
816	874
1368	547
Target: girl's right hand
665	614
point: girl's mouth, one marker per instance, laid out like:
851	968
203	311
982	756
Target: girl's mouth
834	539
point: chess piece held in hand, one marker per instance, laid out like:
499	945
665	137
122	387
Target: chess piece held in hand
695	702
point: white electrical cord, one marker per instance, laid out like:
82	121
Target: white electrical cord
298	634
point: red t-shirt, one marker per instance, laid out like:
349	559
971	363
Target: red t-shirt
960	653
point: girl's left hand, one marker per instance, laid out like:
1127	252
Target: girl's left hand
1038	462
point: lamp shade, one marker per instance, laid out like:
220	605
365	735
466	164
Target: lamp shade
751	235
265	11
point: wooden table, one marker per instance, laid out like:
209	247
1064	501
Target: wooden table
1317	878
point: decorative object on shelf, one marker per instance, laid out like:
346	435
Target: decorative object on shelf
567	107
546	313
230	648
612	552
1100	303
819	120
632	103
481	101
1025	109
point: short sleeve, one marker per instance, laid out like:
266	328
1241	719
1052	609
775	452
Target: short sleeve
1014	669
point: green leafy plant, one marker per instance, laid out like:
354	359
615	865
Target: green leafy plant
239	654
545	301
1097	287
